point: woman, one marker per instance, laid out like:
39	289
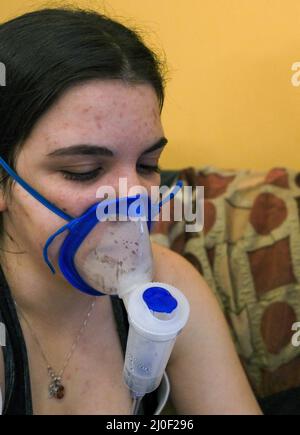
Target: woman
81	108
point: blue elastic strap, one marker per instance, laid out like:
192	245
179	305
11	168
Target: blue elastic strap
33	192
48	243
171	195
78	228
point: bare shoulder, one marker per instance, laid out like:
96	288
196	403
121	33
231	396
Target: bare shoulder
175	270
203	360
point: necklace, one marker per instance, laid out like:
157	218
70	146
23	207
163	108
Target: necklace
56	388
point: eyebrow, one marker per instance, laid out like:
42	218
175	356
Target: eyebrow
95	150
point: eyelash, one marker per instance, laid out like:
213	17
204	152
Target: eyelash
76	176
150	169
86	176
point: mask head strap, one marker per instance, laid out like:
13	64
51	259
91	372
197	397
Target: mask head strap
171	195
33	192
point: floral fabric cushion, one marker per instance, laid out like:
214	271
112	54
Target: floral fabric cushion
249	254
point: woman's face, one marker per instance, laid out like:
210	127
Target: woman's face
96	133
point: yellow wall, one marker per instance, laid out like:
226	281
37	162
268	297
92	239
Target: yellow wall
230	101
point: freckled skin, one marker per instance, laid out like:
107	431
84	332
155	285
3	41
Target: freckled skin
126	118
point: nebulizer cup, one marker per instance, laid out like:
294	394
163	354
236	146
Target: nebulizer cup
157	312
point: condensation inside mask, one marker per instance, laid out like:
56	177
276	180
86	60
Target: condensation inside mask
115	256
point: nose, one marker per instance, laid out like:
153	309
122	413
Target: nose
122	186
132	183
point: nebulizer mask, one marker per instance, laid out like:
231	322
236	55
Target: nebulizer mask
107	251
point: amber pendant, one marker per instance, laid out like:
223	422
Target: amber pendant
56	389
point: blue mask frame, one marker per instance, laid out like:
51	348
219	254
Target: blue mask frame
80	226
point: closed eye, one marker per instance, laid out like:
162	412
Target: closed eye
90	175
148	169
81	176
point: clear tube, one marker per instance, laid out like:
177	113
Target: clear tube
136	403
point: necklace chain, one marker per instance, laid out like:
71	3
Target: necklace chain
56	389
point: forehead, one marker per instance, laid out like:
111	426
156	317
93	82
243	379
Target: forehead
107	112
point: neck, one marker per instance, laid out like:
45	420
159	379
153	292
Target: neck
39	293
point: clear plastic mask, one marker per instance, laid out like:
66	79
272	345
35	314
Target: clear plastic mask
107	252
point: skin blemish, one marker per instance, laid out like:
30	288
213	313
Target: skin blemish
87	109
48	139
98	120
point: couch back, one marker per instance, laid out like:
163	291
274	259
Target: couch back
249	254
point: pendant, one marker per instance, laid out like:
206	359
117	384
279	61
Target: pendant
56	389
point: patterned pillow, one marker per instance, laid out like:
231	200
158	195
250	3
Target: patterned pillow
249	253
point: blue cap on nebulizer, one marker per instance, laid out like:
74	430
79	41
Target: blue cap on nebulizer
158	299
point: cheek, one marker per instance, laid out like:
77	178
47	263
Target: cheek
69	197
29	222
